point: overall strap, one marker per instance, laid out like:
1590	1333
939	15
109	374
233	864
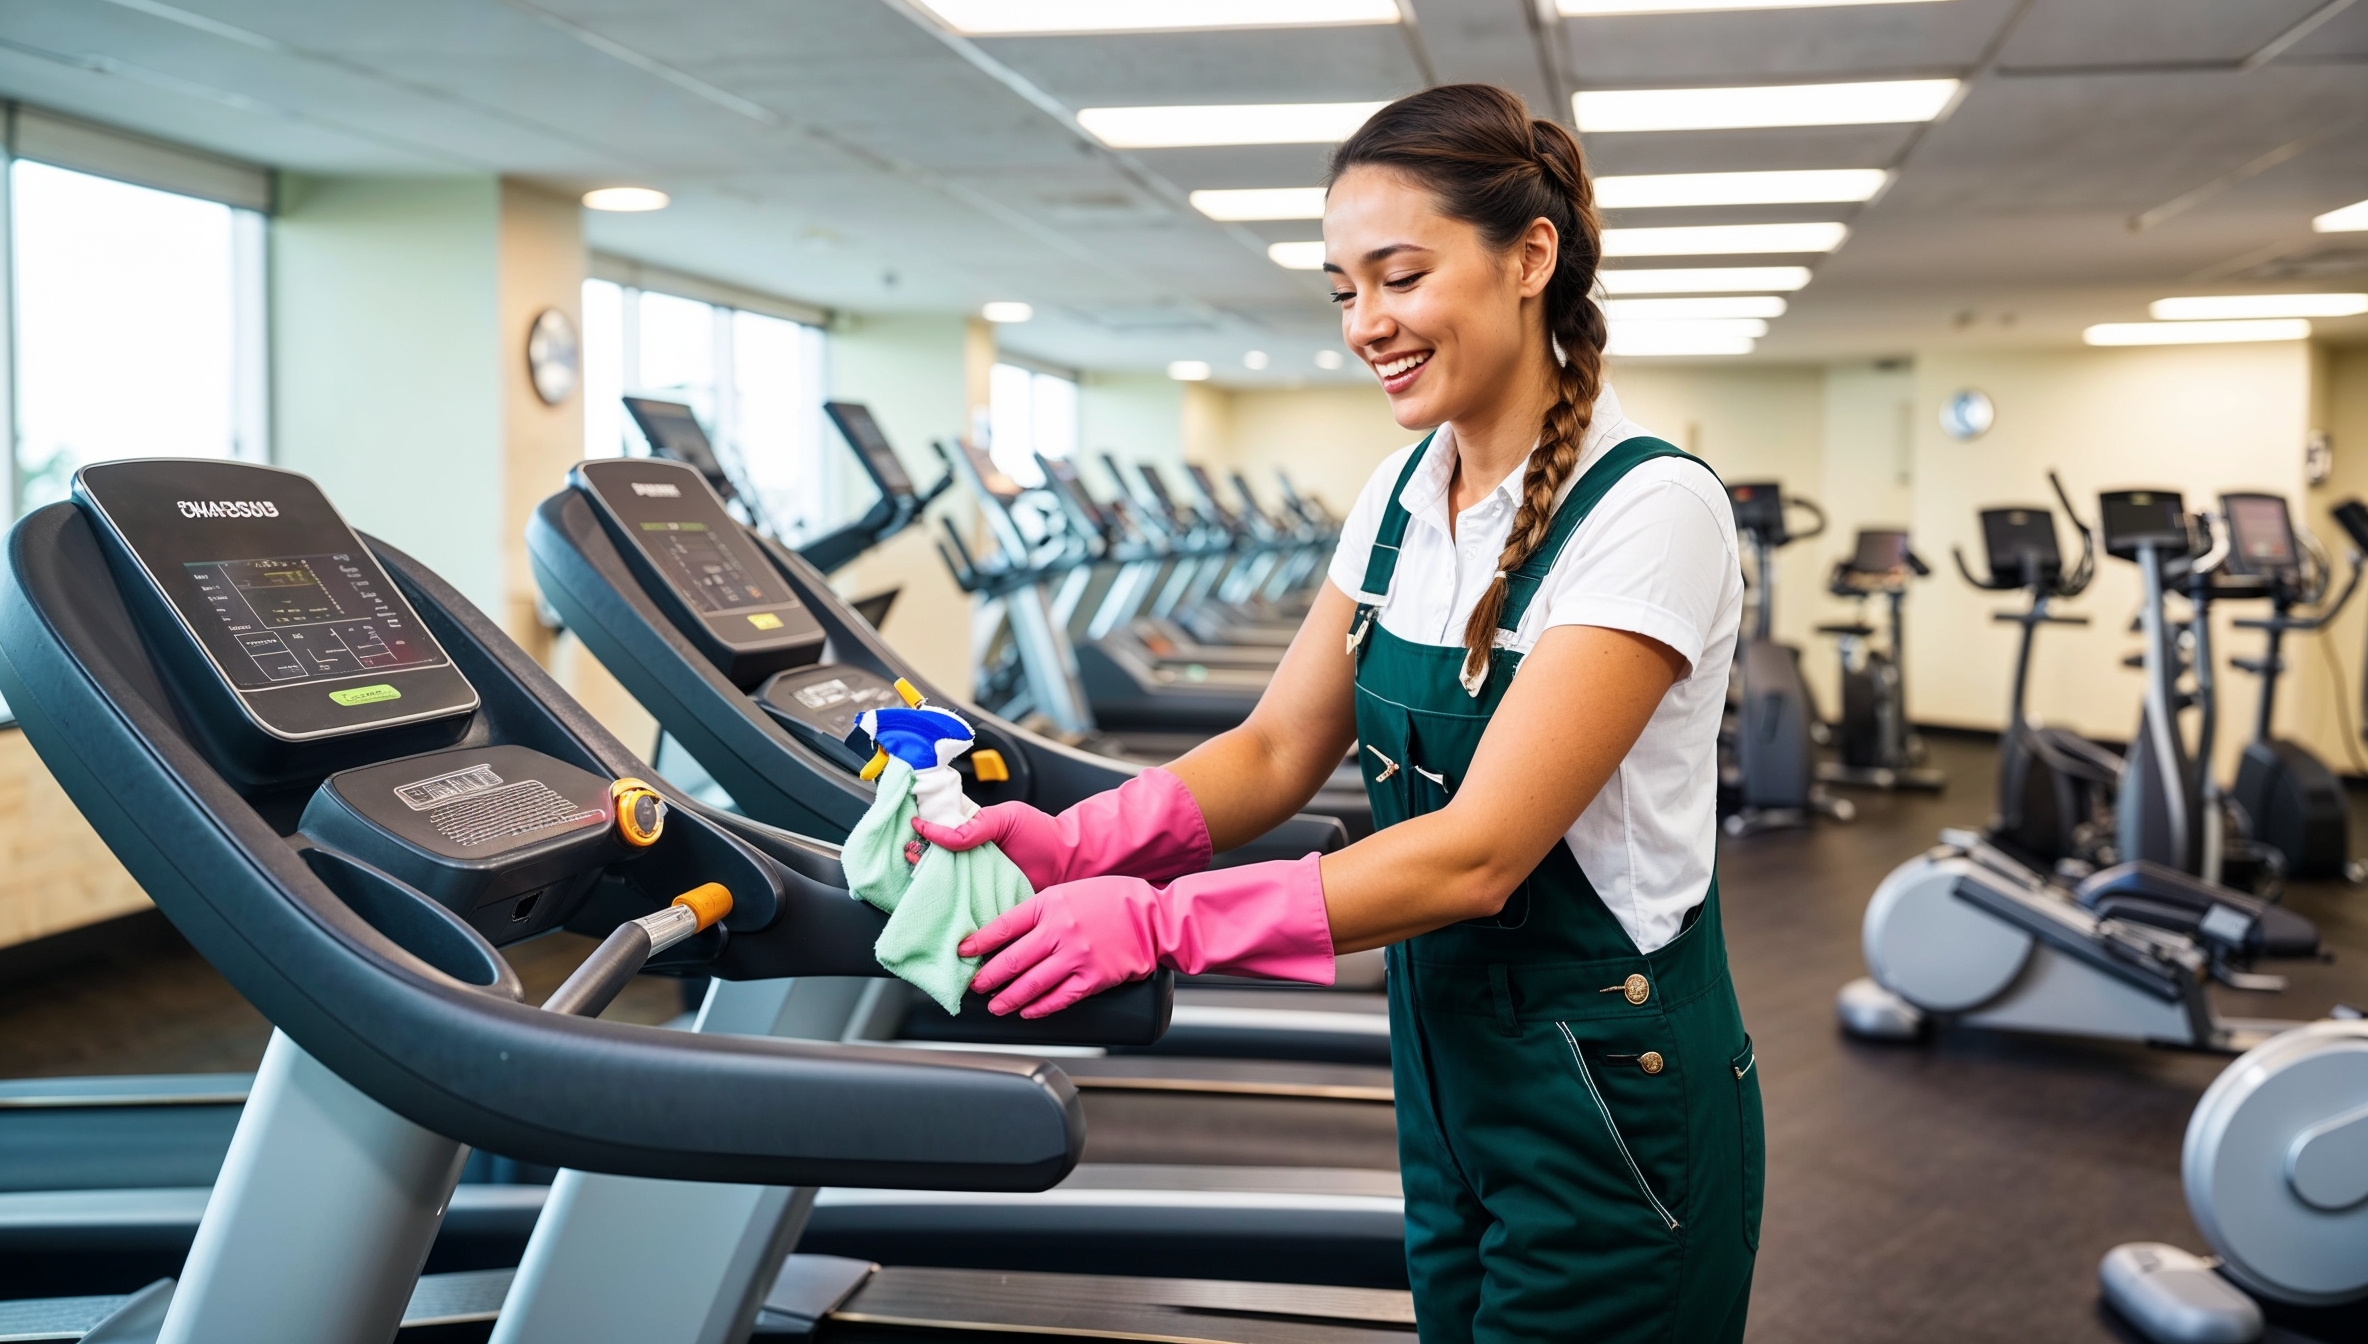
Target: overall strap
1522	584
1381	563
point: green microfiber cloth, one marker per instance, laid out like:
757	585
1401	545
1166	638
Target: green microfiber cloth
934	897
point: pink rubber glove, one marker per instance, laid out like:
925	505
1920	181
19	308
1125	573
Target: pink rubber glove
1148	827
1083	937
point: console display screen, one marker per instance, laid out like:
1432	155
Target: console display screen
284	619
2262	532
707	570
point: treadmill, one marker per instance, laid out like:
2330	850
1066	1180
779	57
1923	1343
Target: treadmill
350	791
633	555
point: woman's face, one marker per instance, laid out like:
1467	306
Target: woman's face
1450	325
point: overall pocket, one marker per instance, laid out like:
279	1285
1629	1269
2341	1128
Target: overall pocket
1611	1123
1755	1139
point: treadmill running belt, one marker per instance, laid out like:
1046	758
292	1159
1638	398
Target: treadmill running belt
917	1303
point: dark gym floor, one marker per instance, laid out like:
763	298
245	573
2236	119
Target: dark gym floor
1960	1190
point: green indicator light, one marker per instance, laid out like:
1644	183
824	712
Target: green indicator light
365	695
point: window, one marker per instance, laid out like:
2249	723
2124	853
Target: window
1029	413
755	381
139	327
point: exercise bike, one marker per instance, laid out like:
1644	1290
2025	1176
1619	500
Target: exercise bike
2288	798
2055	787
2275	1167
1770	777
1969	933
1879	749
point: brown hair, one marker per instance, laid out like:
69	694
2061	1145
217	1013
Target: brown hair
1492	165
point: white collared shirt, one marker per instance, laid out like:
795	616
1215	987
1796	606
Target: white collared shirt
1656	557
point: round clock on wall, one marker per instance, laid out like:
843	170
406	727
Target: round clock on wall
553	356
1968	415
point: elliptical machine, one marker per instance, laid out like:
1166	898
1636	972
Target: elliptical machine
2289	799
1879	749
2276	1171
1772	773
2054	786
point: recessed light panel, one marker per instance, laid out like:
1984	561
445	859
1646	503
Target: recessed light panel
1715	239
1669	342
1307	256
1006	310
625	200
1746	327
1683	189
1664	310
1261	203
1703	280
1011	18
1190	370
1864	103
2350	219
1225	124
2209	306
2196	333
1579	9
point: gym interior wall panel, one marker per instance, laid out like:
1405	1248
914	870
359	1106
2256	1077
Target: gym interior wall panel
2199	419
55	872
913	370
1329	438
1134	415
387	362
88	148
541	266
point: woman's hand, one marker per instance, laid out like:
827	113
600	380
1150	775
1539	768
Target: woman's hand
1080	938
1148	827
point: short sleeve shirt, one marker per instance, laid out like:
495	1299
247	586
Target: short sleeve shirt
1656	557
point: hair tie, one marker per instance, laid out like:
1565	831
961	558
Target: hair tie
1561	356
1500	574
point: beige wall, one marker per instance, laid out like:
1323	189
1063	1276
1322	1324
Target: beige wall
541	262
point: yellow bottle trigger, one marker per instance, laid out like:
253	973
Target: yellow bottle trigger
912	696
873	768
641	812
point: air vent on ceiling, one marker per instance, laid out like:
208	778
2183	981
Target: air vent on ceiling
2313	264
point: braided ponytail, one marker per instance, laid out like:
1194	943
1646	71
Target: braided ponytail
1489	163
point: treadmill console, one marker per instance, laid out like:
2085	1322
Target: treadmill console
819	705
1880	550
699	563
2131	519
2261	541
2020	545
285	613
674	431
1759	510
862	433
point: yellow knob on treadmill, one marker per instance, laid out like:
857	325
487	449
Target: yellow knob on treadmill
641	812
990	765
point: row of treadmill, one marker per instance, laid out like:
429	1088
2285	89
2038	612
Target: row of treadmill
351	792
2117	892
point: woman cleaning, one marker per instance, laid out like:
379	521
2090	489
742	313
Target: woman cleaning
1525	635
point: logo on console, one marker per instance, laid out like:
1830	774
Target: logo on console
228	508
658	490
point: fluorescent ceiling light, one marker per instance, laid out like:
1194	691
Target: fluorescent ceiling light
1328	359
1004	18
1007	310
1865	103
1703	280
625	200
1678	189
2196	333
1307	256
2350	219
1261	203
1225	124
1578	9
1677	343
1189	370
2258	305
1253	359
1648	332
1661	310
1708	239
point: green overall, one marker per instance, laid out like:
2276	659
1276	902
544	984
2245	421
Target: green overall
1578	1122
